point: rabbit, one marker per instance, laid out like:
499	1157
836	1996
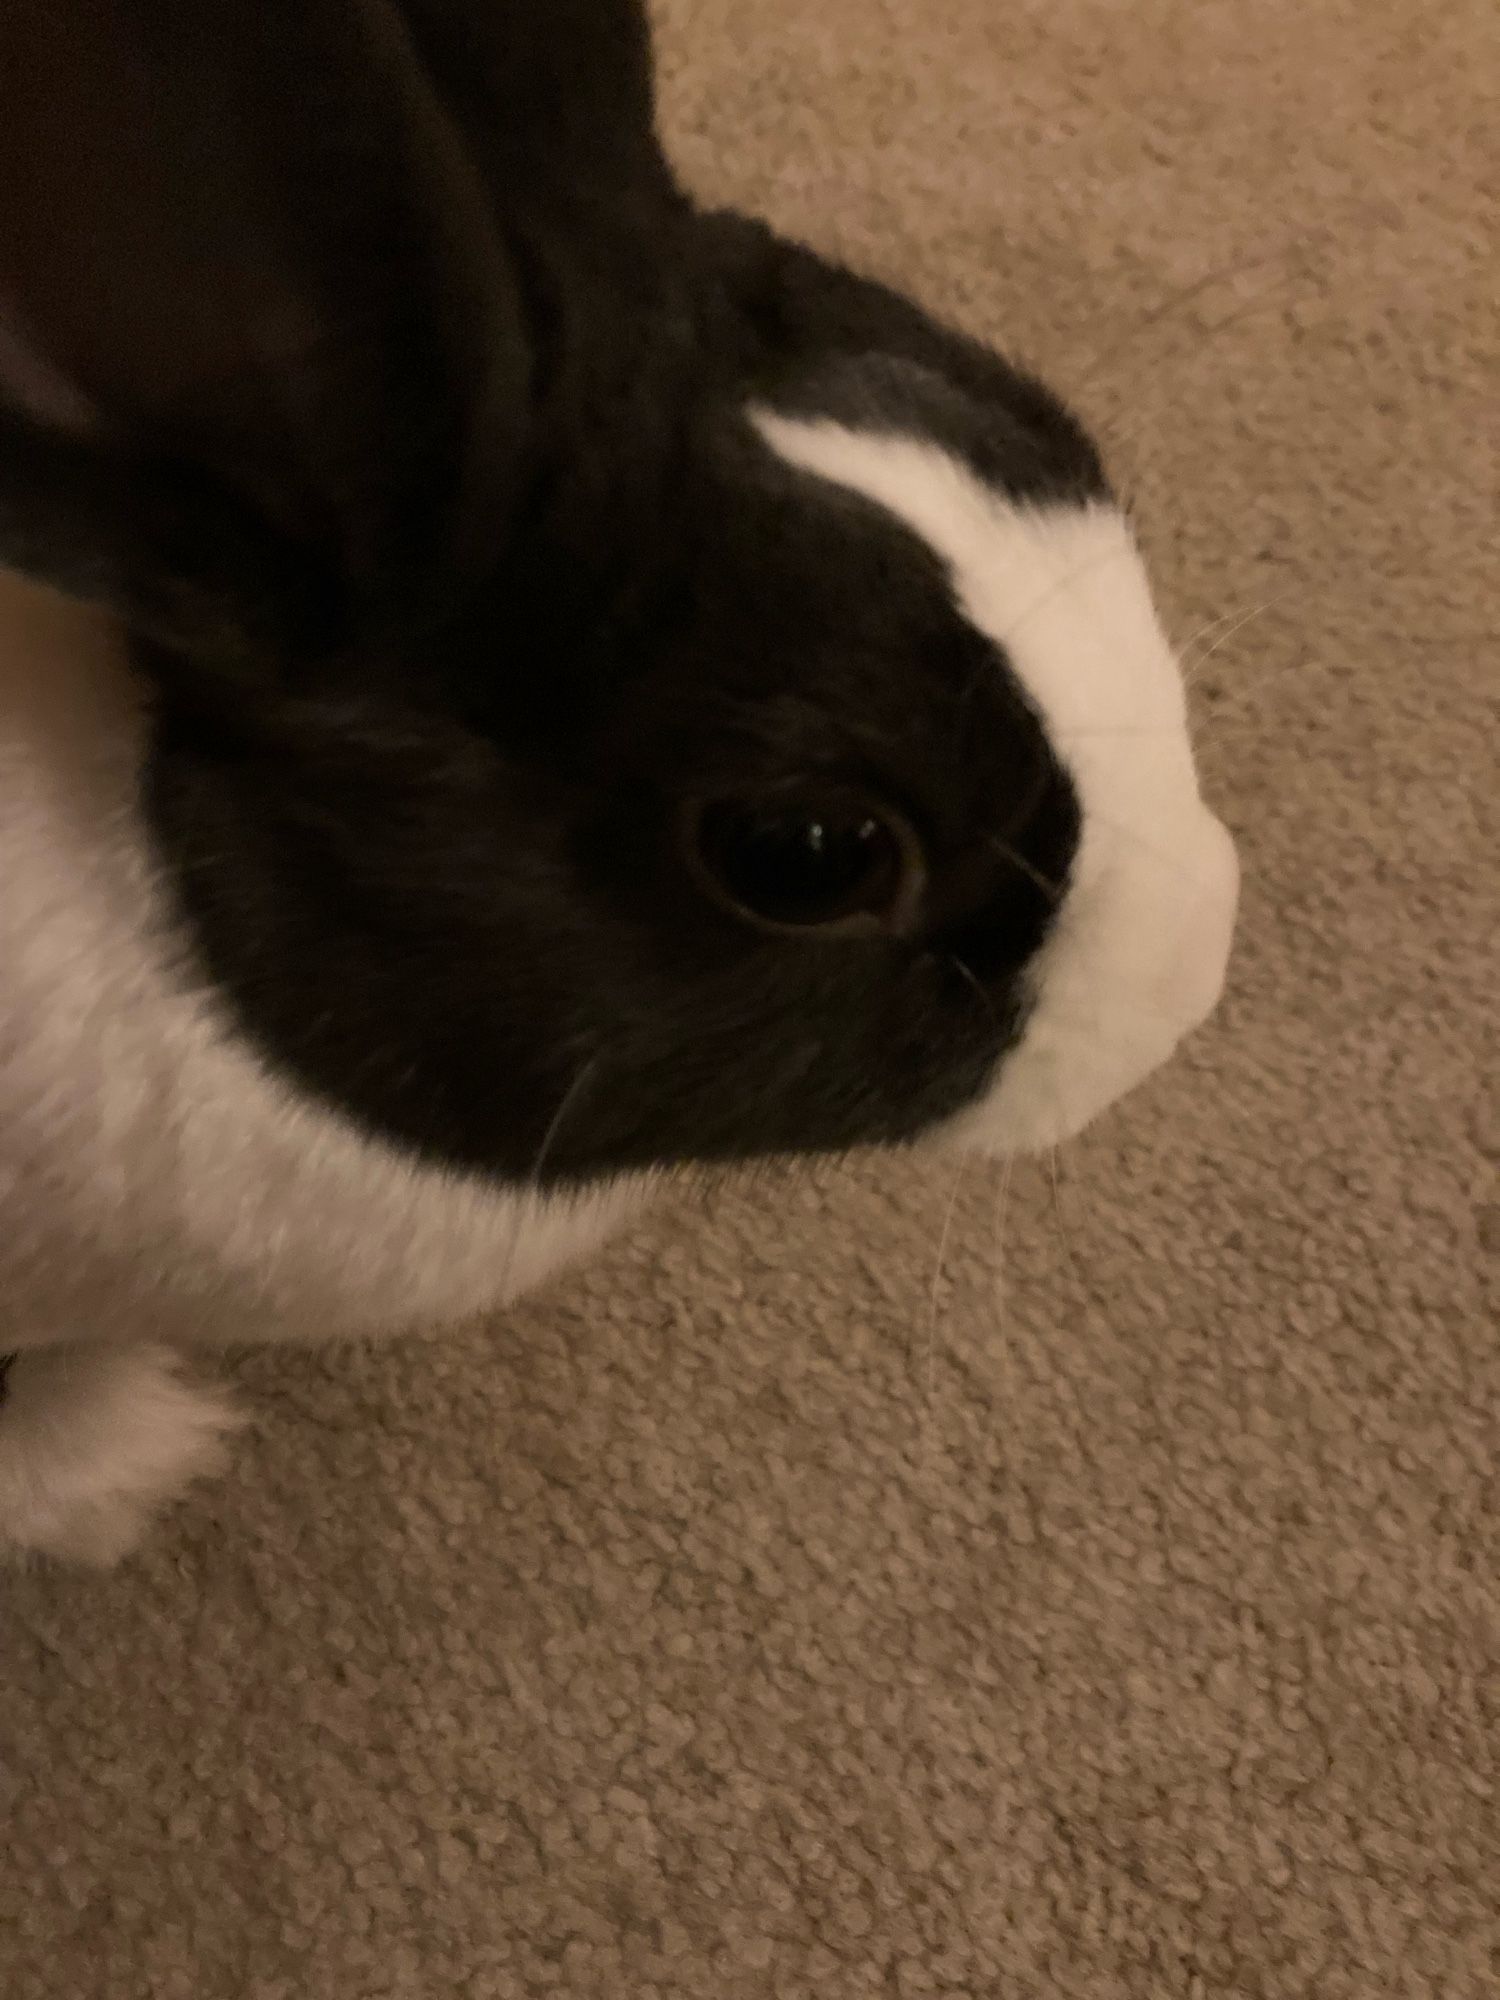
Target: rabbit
514	682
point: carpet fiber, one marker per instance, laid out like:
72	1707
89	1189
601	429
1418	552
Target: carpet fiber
879	1585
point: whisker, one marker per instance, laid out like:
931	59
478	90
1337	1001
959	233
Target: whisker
1251	688
1191	672
1087	729
971	979
1281	296
569	1098
529	1189
1171	861
930	1364
1204	631
1184	296
1123	440
1059	584
1052	890
1002	1216
1059	1217
1089	1028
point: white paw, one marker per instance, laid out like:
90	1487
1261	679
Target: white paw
93	1441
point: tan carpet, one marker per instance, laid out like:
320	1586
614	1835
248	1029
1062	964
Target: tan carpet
1117	1613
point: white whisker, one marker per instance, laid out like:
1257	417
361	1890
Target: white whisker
1052	890
930	1362
1073	575
1002	1215
970	979
1190	672
529	1189
1283	261
1205	631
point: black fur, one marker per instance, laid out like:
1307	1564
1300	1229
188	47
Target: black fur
419	462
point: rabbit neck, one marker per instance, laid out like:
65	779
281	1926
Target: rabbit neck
155	1178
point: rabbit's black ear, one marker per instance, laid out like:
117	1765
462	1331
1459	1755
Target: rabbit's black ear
562	91
247	264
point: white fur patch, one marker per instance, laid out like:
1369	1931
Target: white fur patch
93	1441
156	1182
1138	954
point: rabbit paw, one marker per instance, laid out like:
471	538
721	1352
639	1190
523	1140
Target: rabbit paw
94	1440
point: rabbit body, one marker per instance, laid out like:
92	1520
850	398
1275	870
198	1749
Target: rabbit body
510	684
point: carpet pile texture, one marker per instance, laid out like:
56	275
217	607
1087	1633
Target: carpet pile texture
1106	1607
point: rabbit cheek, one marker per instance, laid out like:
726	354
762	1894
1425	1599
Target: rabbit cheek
1138	947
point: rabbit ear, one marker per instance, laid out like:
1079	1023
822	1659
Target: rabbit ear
561	89
245	245
31	384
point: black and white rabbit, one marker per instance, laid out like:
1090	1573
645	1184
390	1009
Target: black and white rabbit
509	683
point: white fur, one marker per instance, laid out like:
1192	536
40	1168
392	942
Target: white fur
1138	954
93	1440
156	1183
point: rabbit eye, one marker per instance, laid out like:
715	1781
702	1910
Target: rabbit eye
835	864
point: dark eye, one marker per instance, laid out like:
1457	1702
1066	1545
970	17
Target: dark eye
835	863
